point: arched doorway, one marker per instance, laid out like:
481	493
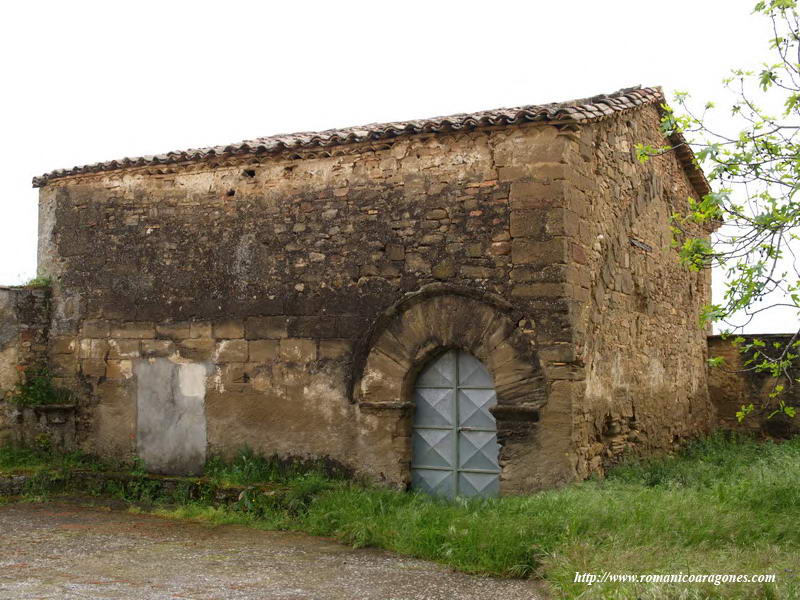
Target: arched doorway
454	440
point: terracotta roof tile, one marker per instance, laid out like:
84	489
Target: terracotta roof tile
578	111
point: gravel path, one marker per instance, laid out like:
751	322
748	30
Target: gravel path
65	550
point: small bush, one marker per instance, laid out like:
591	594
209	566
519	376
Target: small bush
37	389
39	281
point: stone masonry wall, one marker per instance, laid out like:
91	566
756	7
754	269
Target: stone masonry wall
265	278
635	308
733	385
273	302
24	320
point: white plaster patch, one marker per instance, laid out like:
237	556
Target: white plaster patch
217	380
170	410
595	387
220	349
126	368
329	398
656	373
192	379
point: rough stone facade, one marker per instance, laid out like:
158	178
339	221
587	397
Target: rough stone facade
636	337
286	300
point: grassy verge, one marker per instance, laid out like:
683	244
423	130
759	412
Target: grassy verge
725	505
22	460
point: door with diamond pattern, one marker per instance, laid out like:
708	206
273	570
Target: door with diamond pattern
454	438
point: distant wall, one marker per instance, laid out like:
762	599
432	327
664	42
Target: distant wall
732	386
23	340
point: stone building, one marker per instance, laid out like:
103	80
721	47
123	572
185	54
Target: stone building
472	304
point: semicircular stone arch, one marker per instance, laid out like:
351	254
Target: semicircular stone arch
417	330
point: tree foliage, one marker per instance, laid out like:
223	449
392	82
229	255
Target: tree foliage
754	169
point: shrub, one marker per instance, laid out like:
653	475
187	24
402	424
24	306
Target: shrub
37	389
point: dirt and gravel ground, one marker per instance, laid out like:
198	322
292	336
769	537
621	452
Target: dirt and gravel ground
67	550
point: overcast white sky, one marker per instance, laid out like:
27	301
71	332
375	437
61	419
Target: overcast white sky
90	81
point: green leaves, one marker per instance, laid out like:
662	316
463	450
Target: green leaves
696	253
766	78
37	389
755	171
742	413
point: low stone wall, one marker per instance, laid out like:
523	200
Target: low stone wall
24	320
734	384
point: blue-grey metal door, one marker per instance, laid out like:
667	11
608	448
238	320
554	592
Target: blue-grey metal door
454	439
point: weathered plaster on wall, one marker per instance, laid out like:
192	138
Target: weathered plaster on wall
171	419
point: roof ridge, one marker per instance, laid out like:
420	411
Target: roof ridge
582	110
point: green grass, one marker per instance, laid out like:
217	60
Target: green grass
724	505
38	389
248	468
18	460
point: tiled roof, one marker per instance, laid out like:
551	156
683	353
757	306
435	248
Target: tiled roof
576	111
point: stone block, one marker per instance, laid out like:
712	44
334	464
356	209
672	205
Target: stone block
564	353
134	330
228	330
445	269
538	290
475	250
93	348
235	377
63	365
537	252
124	348
512	173
335	349
196	349
151	348
263	350
298	350
62	345
395	252
528	223
92	367
476	272
119	369
200	329
174	331
544	273
231	351
536	195
350	326
549	172
578	253
256	328
260	378
95	328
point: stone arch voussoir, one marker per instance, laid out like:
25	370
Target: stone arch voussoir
425	324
